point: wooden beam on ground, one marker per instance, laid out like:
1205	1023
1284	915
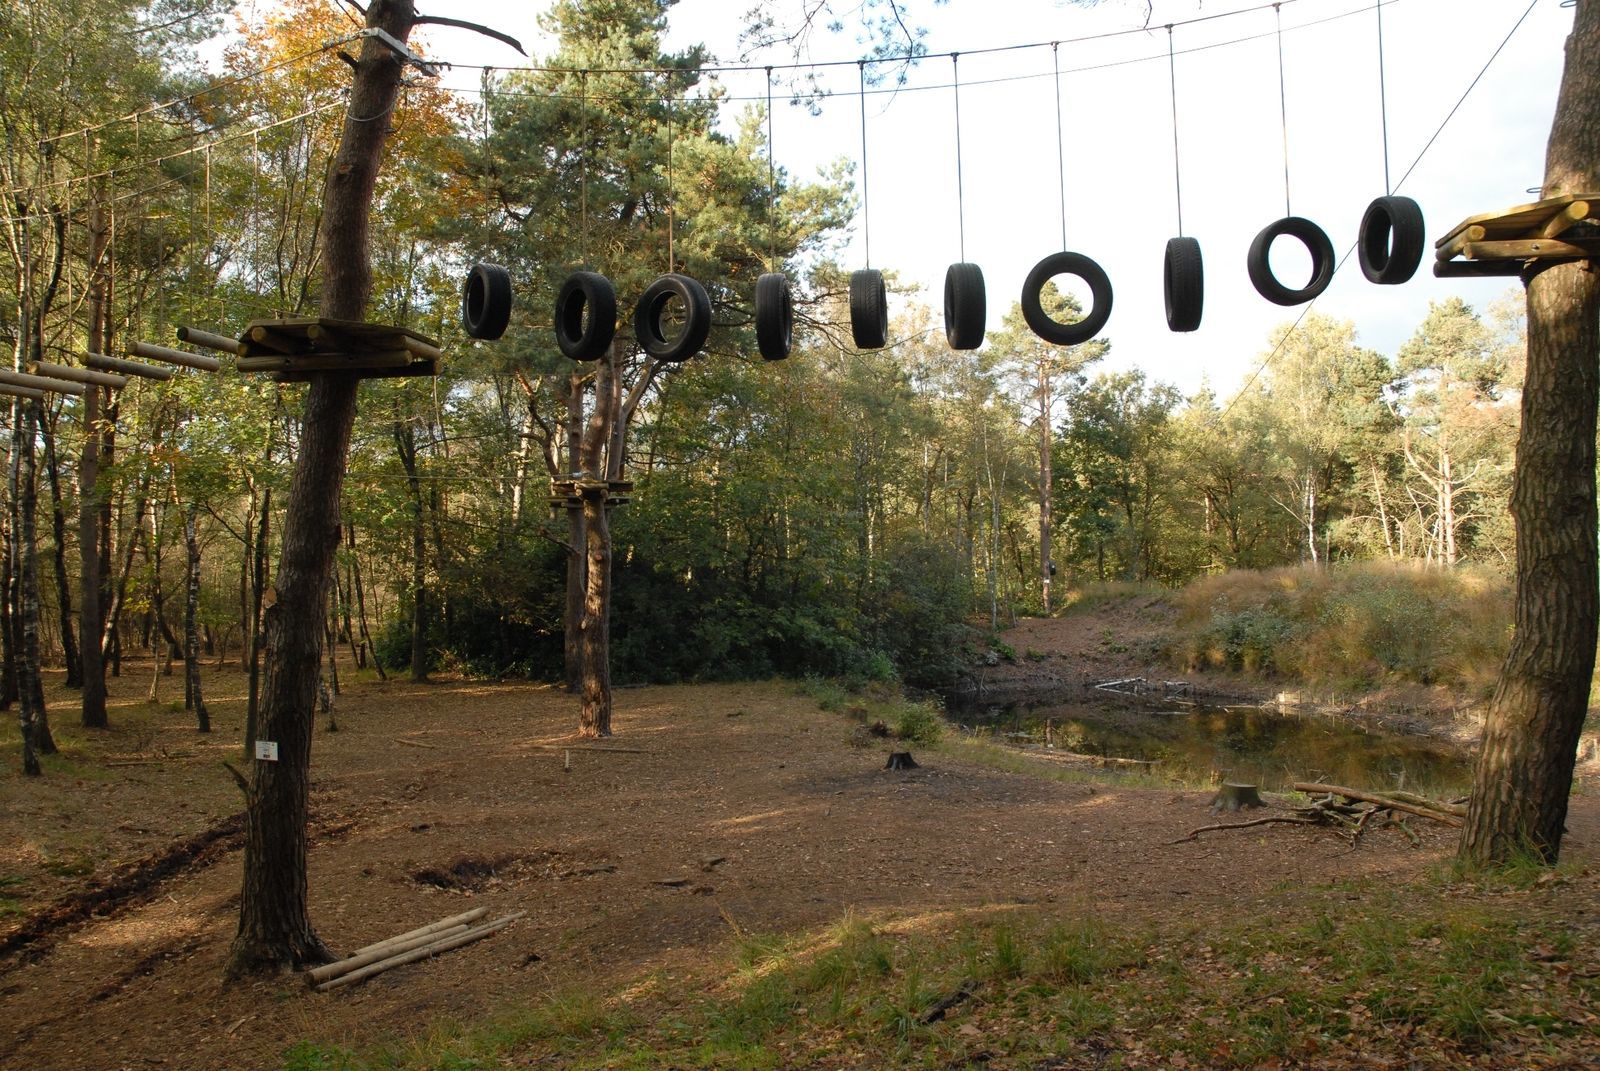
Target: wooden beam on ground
151	352
45	383
211	341
77	375
127	368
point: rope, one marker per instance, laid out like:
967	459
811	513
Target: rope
772	185
1177	171
961	200
583	169
1283	110
866	205
672	144
1383	100
1061	144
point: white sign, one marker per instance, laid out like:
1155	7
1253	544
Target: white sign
267	750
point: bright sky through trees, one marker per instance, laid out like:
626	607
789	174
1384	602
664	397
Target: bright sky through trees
1117	103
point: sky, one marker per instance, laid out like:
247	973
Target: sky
1116	98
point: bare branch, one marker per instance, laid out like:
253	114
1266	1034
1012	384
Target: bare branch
440	20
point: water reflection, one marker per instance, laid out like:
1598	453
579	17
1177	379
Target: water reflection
1263	747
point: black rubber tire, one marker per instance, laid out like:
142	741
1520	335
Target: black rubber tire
653	302
486	301
1393	236
1052	330
586	290
869	309
965	306
1314	238
774	316
1184	284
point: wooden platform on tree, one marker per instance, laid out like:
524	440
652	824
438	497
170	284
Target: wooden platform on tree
1503	243
569	494
297	348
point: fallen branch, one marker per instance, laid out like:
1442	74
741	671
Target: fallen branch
1379	800
1290	819
455	940
571	747
415	743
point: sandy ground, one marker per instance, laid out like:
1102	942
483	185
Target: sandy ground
735	806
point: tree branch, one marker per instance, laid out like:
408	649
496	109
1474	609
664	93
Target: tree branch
440	20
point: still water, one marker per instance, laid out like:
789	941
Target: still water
1197	743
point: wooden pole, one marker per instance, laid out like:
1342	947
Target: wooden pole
127	368
77	375
163	353
196	337
411	956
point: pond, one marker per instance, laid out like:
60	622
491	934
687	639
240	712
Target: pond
1197	743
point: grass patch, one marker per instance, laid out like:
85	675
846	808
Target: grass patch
1317	977
880	706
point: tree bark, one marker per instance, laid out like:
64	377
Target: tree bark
191	621
30	684
275	929
405	441
58	528
577	554
258	598
1524	770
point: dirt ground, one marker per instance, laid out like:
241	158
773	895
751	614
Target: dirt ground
733	806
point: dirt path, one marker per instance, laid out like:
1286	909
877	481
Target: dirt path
744	806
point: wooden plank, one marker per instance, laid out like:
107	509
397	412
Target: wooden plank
21	392
1450	247
415	368
1528	249
151	352
196	337
419	348
45	383
271	363
1531	214
77	375
357	361
127	368
1472	269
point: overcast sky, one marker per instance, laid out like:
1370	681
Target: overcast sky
1119	175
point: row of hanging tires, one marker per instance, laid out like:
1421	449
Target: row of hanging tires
1390	246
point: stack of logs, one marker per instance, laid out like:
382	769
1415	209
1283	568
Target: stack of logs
408	947
1351	812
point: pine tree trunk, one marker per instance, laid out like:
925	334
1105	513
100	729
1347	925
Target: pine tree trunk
58	529
258	599
275	929
30	684
595	633
191	622
572	643
1524	770
405	440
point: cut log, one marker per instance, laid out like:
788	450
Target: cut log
900	760
393	947
433	927
1235	796
455	940
196	337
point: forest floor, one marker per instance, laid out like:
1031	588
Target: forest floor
680	888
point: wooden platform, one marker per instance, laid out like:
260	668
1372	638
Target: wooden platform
297	348
569	494
1503	243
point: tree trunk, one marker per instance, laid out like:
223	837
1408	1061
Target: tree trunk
1524	770
30	685
191	622
361	609
572	643
58	529
1046	568
405	441
258	598
594	635
275	929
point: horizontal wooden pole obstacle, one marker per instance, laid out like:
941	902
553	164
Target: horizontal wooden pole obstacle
151	352
325	362
44	383
211	341
9	391
127	368
77	375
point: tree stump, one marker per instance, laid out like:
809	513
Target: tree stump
1233	796
900	760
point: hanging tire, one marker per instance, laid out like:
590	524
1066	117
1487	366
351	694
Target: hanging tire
652	333
486	301
1051	329
774	316
1184	283
591	291
869	309
965	306
1392	240
1317	244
